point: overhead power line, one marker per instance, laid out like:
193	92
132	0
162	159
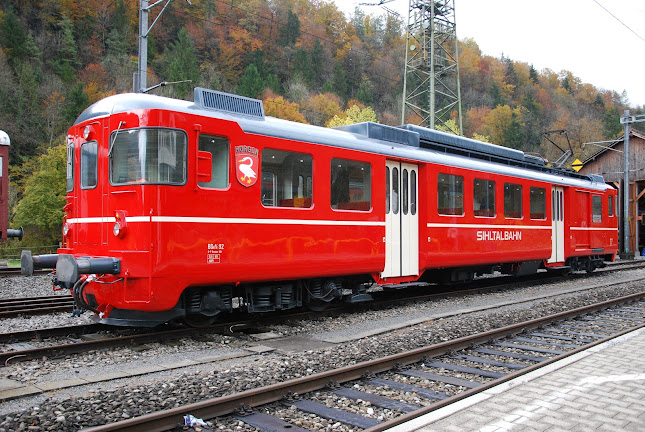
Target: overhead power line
617	19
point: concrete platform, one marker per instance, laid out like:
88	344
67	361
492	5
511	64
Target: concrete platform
601	389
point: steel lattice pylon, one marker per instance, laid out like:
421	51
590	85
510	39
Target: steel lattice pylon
431	80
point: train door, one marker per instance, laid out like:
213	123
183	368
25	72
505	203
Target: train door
89	191
401	220
557	225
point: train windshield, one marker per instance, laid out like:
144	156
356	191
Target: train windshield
148	156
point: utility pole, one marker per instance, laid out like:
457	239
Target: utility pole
627	120
431	79
140	79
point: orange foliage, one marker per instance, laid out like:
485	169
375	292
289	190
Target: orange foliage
475	120
281	108
322	107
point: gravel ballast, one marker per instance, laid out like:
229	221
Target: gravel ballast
120	399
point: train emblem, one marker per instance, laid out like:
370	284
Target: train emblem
247	161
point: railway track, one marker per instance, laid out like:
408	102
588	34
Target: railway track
42	305
34	305
436	375
16	271
62	341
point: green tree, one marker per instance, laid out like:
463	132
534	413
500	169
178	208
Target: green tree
611	122
318	63
303	67
340	81
251	84
289	32
365	94
181	64
19	45
533	75
40	211
65	59
77	101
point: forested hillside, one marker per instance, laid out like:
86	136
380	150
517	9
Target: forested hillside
307	60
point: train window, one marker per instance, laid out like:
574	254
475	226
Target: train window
89	165
610	205
413	192
387	190
512	201
537	203
596	208
484	198
351	185
156	156
218	148
395	190
405	191
70	167
286	179
450	194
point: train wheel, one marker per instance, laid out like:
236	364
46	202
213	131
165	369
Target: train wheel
199	320
317	305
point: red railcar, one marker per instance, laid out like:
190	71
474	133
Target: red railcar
181	210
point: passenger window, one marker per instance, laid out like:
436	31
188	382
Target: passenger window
395	190
351	185
512	201
89	165
610	205
484	198
218	147
387	190
287	179
538	203
70	167
405	191
413	192
596	208
450	194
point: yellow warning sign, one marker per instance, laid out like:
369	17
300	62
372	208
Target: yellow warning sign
576	165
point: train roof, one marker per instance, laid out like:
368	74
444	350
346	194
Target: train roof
408	141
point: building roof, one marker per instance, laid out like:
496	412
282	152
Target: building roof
600	150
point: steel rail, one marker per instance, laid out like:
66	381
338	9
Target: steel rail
227	327
34	305
167	419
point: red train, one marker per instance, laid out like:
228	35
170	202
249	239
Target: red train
182	210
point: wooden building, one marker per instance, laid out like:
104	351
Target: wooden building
608	160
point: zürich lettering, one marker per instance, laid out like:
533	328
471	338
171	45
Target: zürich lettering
499	235
246	150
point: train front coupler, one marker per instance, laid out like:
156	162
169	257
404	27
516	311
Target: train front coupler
69	268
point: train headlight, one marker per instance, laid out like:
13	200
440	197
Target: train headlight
88	132
67	229
120	224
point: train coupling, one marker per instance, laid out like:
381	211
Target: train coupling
69	268
29	263
16	233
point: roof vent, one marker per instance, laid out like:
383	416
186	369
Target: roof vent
219	101
383	132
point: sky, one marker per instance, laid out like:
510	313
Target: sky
580	36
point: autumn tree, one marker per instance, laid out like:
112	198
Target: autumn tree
321	108
281	108
504	126
353	114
